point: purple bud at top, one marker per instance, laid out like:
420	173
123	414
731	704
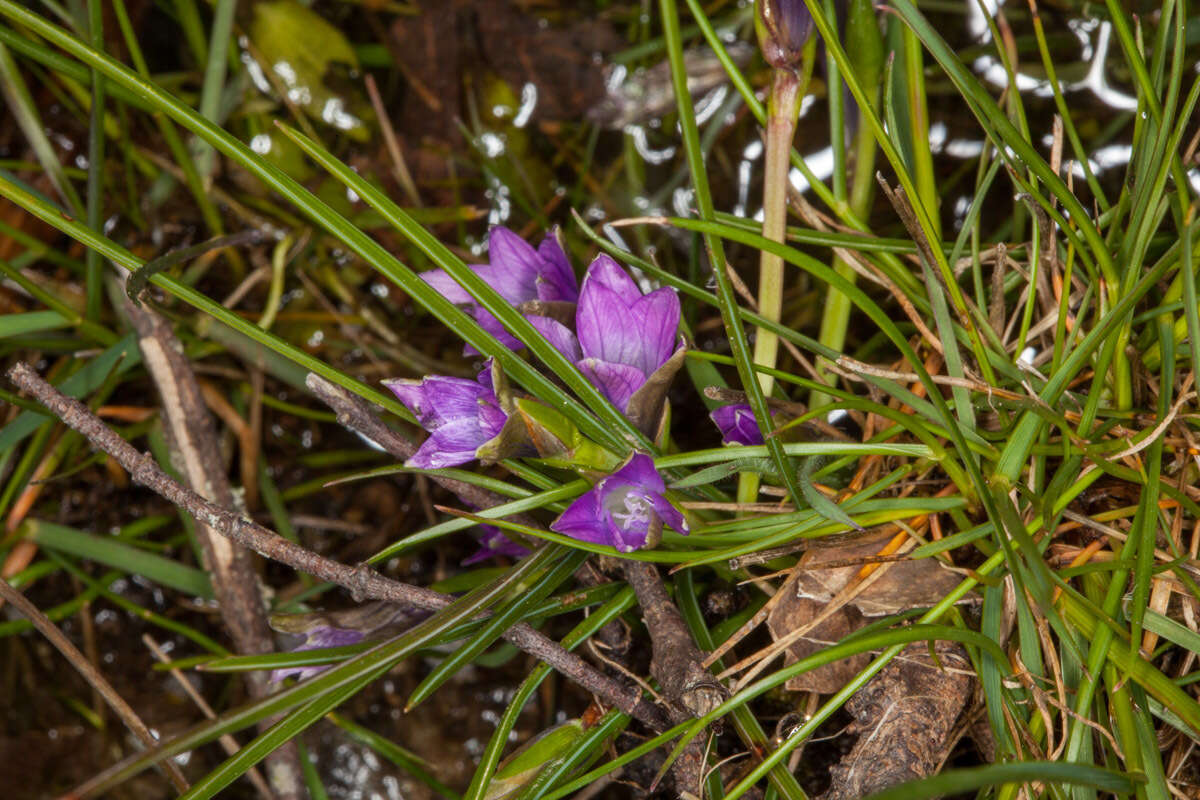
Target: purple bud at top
783	28
460	415
623	509
517	272
737	424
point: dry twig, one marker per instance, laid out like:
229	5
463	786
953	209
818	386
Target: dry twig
362	581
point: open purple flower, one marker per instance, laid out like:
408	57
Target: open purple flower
518	273
737	424
626	510
460	415
622	337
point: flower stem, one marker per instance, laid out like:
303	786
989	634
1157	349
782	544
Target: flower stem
787	90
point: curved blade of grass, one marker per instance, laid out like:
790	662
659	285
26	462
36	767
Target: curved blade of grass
104	550
119	255
490	757
959	781
358	674
529	594
1004	135
329	689
744	721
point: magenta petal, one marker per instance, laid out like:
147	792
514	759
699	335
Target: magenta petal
617	382
493	543
318	639
582	520
438	399
556	280
558	335
670	515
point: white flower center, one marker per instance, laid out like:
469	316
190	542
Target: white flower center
638	511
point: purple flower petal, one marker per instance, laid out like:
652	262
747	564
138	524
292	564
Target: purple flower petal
438	399
449	288
616	323
604	271
460	415
737	424
603	325
556	280
513	268
493	544
656	320
670	515
558	335
448	446
318	639
622	509
639	470
617	382
582	520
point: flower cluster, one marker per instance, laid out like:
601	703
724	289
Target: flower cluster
625	342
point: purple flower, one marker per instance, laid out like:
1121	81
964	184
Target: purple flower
737	424
493	544
626	510
518	273
622	336
318	638
460	415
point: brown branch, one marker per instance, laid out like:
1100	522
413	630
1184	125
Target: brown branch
675	660
362	581
191	435
90	674
356	414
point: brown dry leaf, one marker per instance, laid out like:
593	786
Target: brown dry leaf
900	586
904	718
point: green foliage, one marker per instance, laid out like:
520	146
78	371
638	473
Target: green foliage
909	315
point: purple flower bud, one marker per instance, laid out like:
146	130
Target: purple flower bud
625	510
460	415
737	424
518	273
622	336
783	28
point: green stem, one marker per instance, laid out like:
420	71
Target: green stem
787	89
